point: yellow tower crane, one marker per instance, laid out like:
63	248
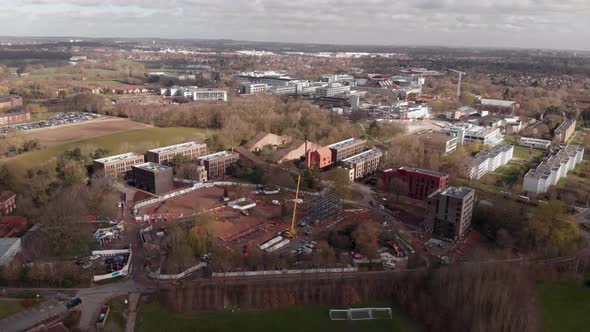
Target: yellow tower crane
291	232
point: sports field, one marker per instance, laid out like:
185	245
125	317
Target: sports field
137	140
76	131
152	317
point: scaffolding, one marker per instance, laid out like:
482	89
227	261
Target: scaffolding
323	207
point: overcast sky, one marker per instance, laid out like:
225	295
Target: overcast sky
563	24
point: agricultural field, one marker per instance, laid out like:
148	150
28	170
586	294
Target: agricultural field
152	317
138	140
564	306
63	134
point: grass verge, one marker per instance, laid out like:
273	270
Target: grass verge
153	317
10	307
564	306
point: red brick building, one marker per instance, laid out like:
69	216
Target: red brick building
319	158
7	202
14	117
421	182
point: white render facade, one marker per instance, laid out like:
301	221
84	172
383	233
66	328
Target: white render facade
547	174
489	161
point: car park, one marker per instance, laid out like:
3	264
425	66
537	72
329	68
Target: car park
74	302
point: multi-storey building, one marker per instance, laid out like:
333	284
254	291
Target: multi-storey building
119	164
253	88
14	117
217	164
363	163
332	89
347	148
547	173
319	158
420	182
468	133
497	105
195	93
490	160
9	101
265	77
438	143
449	212
164	155
152	177
565	130
7	202
536	143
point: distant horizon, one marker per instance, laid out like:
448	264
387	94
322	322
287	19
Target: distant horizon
472	47
524	24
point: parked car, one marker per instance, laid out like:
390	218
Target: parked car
389	265
74	302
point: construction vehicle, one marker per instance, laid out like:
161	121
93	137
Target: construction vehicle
292	232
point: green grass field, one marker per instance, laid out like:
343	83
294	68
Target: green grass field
564	307
8	308
522	152
138	140
152	317
116	320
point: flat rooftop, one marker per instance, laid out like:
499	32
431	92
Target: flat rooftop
497	102
216	155
176	147
363	156
153	167
457	192
345	142
424	171
118	157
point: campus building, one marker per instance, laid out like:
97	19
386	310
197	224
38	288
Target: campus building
497	105
7	202
490	160
449	212
116	165
468	133
152	177
195	93
320	158
217	164
10	101
14	117
438	143
363	164
253	88
164	155
535	143
420	182
331	90
263	139
347	148
564	131
547	173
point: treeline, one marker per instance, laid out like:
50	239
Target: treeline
241	118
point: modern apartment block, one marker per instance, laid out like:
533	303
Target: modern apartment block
449	212
565	130
538	180
152	177
347	148
490	160
164	155
420	182
535	143
363	163
217	164
119	164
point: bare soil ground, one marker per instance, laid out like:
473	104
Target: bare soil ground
76	131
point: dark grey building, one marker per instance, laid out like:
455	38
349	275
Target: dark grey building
152	177
449	212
